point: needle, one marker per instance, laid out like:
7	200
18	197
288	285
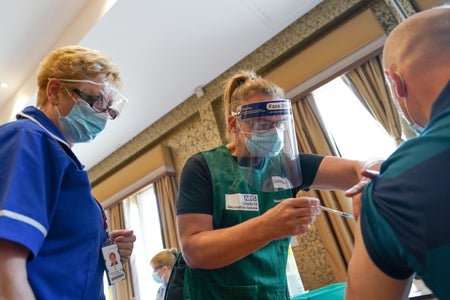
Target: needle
337	212
330	210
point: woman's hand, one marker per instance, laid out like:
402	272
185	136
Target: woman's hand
124	239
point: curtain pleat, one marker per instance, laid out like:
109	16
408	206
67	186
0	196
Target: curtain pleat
124	288
167	190
369	85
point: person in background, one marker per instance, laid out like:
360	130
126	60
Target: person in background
51	227
237	204
162	264
403	227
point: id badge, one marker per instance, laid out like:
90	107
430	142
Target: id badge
114	267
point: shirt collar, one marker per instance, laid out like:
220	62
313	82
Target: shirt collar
442	102
39	116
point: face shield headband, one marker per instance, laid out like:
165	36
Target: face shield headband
267	153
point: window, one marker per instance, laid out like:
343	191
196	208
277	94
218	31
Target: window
355	132
141	214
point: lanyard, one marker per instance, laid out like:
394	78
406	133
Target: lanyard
105	219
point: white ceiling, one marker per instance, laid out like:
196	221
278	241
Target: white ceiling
164	48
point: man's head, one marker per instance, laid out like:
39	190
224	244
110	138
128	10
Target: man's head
417	62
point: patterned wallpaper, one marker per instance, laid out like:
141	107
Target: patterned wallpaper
312	261
198	134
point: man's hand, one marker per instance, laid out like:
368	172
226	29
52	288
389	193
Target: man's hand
356	191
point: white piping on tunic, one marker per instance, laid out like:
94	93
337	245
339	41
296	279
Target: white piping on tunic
37	122
25	219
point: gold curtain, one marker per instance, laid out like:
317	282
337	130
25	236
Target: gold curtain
368	83
322	260
166	191
124	288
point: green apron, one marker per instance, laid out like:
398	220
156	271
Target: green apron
260	275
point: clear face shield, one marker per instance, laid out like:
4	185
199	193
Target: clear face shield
267	151
102	97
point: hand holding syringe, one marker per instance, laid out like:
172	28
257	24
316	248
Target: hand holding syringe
315	205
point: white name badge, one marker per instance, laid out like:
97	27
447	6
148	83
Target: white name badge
281	183
114	267
246	202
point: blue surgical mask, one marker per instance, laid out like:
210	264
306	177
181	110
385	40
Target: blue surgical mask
82	124
267	144
414	125
417	128
157	278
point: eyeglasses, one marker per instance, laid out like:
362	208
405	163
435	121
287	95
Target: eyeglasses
263	126
110	101
98	103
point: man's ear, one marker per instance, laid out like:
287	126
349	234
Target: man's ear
397	82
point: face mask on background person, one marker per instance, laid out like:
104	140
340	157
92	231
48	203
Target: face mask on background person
82	124
267	144
157	278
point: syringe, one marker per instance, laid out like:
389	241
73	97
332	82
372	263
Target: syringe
337	212
330	210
